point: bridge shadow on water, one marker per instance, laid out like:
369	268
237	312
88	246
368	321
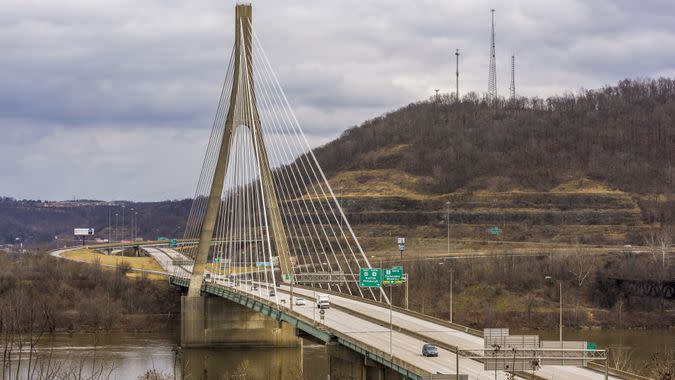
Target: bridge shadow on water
306	362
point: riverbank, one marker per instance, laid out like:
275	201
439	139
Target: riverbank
40	293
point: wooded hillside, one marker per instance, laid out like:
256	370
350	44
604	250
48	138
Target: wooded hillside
622	135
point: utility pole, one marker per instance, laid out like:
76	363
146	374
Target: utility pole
117	214
457	75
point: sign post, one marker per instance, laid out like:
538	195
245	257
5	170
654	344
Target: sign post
401	245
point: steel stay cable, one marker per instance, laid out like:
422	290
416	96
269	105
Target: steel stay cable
311	153
337	261
269	244
284	179
282	183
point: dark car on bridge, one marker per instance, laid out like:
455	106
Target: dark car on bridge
429	350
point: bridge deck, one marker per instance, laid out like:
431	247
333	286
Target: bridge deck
371	335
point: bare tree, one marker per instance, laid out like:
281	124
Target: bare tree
621	358
662	365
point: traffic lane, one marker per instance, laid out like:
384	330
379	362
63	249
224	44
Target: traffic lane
423	327
451	336
405	347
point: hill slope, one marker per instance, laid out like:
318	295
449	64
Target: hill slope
622	136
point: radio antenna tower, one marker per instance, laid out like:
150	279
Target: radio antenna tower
512	89
457	74
492	78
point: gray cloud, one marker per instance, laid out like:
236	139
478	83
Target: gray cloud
101	99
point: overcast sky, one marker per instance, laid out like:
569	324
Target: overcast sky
115	99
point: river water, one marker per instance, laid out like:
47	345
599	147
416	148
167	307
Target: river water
128	356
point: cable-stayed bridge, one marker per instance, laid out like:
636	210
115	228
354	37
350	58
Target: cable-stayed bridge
265	228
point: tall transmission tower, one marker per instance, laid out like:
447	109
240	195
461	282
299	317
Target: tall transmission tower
492	77
512	88
457	75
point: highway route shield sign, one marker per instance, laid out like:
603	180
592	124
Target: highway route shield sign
393	275
370	277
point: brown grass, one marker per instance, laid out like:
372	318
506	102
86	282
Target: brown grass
89	256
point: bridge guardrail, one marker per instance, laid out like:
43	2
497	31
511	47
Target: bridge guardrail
591	365
298	320
399	309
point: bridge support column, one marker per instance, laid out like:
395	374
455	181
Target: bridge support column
214	321
347	364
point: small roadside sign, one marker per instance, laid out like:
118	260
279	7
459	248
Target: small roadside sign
400	240
370	277
495	230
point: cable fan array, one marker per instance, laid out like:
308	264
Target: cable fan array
320	240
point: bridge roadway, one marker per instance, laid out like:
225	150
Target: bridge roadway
368	324
166	257
437	332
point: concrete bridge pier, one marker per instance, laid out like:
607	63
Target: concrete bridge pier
345	364
213	321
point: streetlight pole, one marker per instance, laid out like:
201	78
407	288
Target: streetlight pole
561	308
447	222
391	324
117	214
123	222
290	299
109	232
451	271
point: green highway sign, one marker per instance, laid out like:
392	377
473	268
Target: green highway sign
393	275
370	277
495	230
591	346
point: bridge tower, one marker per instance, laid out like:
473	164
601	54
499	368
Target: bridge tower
243	69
